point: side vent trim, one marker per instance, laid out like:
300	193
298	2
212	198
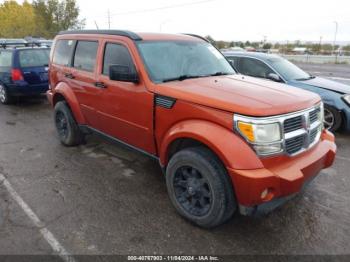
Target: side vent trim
164	101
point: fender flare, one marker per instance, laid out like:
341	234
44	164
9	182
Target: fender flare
233	151
64	90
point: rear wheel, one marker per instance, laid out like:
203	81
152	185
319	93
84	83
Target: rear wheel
66	126
5	98
199	187
332	118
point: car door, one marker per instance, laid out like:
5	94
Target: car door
83	78
126	108
254	67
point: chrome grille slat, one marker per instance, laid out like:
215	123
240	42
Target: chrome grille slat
302	130
293	124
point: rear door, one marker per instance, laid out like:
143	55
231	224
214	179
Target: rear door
34	64
83	79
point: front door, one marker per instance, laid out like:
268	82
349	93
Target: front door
126	108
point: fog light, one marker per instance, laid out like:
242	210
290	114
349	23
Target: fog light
267	194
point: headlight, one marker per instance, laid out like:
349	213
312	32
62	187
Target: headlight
264	137
347	99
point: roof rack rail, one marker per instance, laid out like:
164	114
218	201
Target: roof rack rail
198	36
129	34
14	45
4	45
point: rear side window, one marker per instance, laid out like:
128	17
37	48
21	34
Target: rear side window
5	59
116	54
63	52
85	55
34	57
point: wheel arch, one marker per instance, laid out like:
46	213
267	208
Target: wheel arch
64	93
232	151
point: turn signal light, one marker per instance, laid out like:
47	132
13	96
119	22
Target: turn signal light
247	130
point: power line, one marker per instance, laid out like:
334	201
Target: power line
162	8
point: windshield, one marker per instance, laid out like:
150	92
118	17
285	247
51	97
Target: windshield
288	70
180	60
34	57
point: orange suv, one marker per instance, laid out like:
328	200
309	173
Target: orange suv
226	142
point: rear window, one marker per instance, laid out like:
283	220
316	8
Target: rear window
5	59
34	57
63	52
85	55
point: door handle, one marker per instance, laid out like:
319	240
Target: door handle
100	85
69	75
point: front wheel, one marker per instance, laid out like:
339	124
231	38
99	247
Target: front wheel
332	118
5	98
199	187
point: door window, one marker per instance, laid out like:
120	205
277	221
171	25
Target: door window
255	68
85	55
116	54
63	52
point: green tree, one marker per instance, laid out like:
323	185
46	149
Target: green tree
16	21
267	46
53	16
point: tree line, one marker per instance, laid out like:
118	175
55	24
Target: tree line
41	18
316	48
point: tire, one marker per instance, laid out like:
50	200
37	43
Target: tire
333	118
5	98
66	126
199	187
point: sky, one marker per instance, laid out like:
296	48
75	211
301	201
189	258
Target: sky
277	20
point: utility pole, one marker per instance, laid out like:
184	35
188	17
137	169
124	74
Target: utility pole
109	19
335	39
96	25
320	46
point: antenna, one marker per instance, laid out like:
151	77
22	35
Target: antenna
109	19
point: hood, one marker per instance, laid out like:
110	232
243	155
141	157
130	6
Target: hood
240	94
327	84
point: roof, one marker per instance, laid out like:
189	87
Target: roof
259	55
137	36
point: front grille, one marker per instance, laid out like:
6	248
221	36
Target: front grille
302	130
295	144
313	135
314	115
293	124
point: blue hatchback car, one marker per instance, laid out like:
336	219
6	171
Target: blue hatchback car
23	71
336	96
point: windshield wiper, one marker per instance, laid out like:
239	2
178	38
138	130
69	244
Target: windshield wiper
306	78
180	78
220	74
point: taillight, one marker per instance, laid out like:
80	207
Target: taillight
16	75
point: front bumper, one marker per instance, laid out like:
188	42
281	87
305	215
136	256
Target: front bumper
346	123
282	176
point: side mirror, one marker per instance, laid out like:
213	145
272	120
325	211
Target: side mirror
123	73
274	77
